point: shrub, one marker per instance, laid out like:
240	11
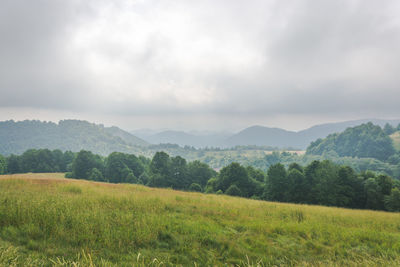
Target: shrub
233	190
195	187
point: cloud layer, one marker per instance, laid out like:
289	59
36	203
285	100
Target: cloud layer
187	59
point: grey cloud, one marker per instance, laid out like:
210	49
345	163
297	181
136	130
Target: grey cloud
203	57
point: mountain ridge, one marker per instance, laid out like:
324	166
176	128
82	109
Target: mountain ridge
73	135
258	135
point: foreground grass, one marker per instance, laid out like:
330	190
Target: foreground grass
48	220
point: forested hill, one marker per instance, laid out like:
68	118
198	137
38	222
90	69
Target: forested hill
74	135
364	141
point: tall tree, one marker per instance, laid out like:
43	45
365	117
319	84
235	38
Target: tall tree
277	183
235	174
3	165
84	162
200	172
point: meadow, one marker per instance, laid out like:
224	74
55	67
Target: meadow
47	220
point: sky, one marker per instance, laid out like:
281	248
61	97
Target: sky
200	65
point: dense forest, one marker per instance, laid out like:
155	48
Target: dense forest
320	182
73	135
364	141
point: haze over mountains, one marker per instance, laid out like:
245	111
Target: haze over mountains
74	135
255	135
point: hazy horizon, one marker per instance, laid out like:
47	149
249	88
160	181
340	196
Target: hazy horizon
200	65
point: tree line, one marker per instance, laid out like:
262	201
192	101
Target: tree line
319	183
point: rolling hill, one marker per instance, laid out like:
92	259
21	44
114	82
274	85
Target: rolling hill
256	135
74	135
187	139
363	141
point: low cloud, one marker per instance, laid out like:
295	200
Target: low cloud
257	59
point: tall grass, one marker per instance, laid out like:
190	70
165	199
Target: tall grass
45	221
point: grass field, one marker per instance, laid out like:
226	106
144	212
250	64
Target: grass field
48	220
396	139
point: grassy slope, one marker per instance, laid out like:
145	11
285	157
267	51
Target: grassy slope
396	139
45	219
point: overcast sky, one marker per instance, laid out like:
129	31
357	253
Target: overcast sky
205	64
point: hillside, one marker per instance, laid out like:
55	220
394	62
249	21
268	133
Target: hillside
263	136
43	222
74	135
187	139
364	141
255	135
396	140
194	139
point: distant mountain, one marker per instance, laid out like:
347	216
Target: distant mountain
275	137
254	135
74	135
181	138
263	136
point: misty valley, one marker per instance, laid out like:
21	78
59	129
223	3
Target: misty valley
166	199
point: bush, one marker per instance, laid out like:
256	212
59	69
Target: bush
392	201
131	178
195	187
96	175
233	190
209	190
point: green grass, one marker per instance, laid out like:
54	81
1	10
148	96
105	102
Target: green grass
62	222
396	139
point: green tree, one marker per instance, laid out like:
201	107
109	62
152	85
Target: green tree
13	164
195	188
235	174
392	201
364	141
3	165
256	174
233	190
211	186
84	162
325	189
160	170
199	172
345	186
385	183
96	175
374	198
388	129
120	165
298	181
277	183
179	174
131	178
310	191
